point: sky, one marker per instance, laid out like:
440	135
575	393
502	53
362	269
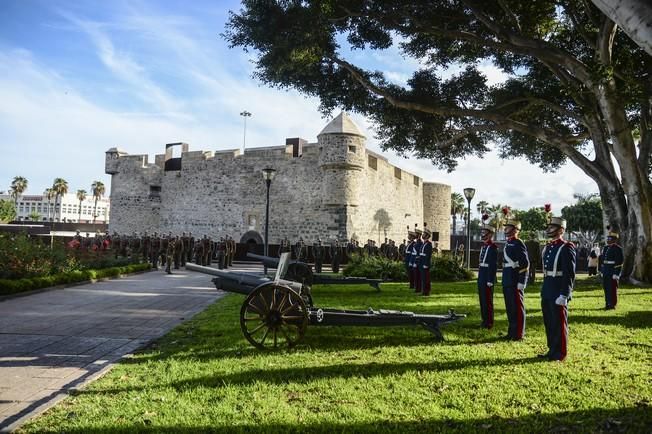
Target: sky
80	77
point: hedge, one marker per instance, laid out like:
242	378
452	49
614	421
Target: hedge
442	269
15	286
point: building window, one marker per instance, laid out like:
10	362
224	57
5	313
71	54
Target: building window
352	149
416	181
154	191
397	173
373	162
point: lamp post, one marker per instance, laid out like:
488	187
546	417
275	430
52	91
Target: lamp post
468	194
245	114
268	175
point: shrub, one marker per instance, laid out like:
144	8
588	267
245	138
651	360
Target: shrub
443	268
15	286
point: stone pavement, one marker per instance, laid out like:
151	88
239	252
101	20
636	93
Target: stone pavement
55	341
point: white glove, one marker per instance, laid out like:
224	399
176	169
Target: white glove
521	286
490	284
615	277
562	300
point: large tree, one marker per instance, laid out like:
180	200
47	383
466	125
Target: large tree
60	188
584	218
18	187
578	88
634	16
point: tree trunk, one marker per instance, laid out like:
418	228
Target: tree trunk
633	16
454	224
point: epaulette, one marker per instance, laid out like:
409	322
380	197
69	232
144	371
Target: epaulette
570	244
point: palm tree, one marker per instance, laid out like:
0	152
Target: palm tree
18	186
49	195
81	196
482	206
97	188
60	187
457	206
496	211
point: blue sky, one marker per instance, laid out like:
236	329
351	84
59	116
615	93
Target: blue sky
80	77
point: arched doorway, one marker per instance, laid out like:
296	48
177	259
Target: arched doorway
251	238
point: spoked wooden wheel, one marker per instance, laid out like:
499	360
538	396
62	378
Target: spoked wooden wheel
273	315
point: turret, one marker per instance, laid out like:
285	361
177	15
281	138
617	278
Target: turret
341	158
111	160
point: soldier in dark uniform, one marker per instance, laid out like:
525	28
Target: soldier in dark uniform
206	251
155	250
487	266
221	254
191	247
416	259
299	249
318	253
116	244
169	253
407	257
611	260
234	248
515	266
401	249
185	242
336	256
178	252
559	260
146	243
425	259
164	248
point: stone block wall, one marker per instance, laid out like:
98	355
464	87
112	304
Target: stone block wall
437	210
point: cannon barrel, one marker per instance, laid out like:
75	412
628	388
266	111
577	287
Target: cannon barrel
241	283
332	280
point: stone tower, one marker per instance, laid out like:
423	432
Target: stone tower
341	161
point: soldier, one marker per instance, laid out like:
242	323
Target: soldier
163	250
298	249
178	252
155	251
169	253
612	264
383	248
185	242
487	275
191	247
206	251
221	254
558	279
134	244
234	247
515	267
116	244
318	253
416	259
407	257
336	256
425	259
147	246
401	248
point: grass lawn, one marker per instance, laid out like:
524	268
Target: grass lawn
205	377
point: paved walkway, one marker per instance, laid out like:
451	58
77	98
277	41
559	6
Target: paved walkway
57	340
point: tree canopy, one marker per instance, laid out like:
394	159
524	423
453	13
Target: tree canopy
578	88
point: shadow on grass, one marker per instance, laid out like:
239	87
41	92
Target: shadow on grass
635	419
303	374
637	319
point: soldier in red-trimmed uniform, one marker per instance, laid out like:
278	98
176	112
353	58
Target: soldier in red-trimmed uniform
425	258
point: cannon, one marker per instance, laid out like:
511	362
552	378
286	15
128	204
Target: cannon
276	312
302	272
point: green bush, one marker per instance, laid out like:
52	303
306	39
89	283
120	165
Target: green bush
14	286
443	269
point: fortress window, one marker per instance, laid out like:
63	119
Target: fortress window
397	173
352	149
416	181
373	162
154	191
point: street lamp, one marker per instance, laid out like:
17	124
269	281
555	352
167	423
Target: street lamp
468	194
245	114
268	175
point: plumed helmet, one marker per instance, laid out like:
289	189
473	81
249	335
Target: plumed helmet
513	222
557	221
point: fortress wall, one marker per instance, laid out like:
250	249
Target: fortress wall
135	208
437	206
384	201
226	196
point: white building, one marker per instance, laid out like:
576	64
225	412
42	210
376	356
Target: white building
67	208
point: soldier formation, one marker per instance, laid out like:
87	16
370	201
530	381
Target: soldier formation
559	259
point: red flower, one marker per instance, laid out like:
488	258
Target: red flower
547	207
505	210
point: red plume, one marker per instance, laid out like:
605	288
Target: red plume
547	207
485	217
505	210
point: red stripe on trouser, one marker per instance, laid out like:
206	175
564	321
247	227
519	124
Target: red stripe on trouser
519	315
426	284
563	329
417	279
490	307
411	275
614	292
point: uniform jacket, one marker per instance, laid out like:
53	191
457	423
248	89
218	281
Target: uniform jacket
612	260
515	263
408	253
416	249
559	258
425	254
488	263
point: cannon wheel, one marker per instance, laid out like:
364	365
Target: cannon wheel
273	315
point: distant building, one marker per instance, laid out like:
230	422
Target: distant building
332	189
68	204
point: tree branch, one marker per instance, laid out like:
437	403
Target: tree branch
606	40
563	143
543	102
572	13
511	14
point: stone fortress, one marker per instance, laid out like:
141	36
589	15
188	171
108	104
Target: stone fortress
332	189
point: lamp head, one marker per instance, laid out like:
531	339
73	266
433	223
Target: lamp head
469	193
268	173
